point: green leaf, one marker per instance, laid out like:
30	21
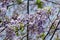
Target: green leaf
39	3
49	10
21	27
17	33
53	27
16	29
57	39
42	35
19	1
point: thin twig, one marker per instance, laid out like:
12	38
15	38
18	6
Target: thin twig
3	29
48	32
55	30
23	37
53	2
50	28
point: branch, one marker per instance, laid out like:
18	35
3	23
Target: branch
58	29
51	27
55	30
53	2
23	37
3	29
48	31
10	5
